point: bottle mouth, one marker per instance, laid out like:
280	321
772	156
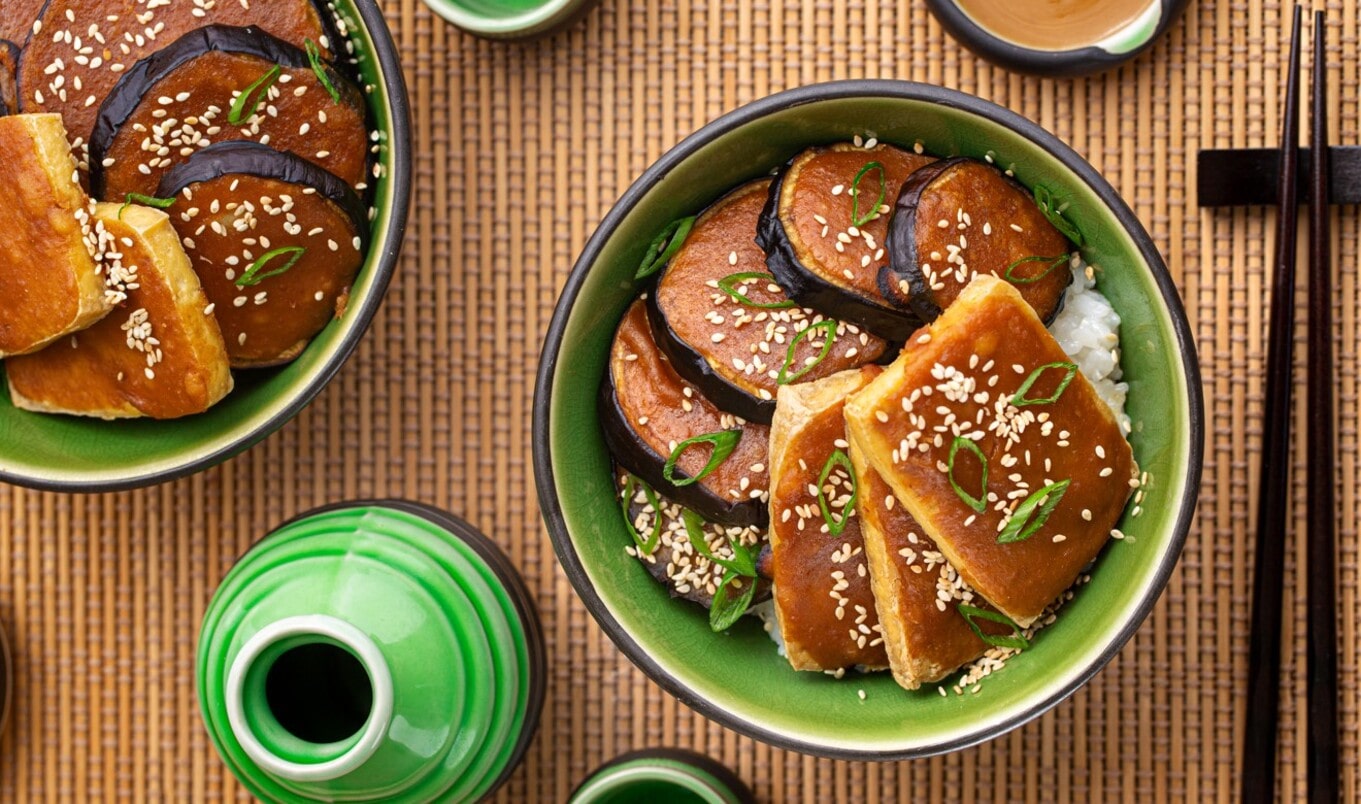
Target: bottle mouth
309	698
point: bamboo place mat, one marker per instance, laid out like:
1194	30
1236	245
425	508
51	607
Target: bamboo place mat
519	150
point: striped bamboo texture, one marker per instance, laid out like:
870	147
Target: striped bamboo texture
520	150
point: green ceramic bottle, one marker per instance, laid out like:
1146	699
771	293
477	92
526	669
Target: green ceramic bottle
366	651
662	776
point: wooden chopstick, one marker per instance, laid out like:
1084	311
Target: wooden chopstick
1264	651
1321	554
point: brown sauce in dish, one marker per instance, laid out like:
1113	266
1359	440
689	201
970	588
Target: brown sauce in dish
1053	24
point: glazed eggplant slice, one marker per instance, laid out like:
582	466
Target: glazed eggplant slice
84	46
726	325
274	239
959	218
16	19
9	63
220	83
823	597
1000	449
823	230
667	552
661	429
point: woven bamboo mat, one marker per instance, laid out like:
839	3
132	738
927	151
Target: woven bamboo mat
520	149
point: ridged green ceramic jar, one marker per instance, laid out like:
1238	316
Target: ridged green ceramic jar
371	651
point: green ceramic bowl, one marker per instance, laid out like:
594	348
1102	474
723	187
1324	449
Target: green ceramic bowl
738	679
67	453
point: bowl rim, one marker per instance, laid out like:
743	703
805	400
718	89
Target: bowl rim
551	509
383	268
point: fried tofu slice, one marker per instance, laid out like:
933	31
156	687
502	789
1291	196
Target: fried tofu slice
999	448
917	593
159	354
50	273
822	588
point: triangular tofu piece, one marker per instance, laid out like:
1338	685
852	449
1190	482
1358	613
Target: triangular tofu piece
999	447
821	581
159	354
50	275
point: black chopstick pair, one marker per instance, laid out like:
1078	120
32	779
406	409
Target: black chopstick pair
1264	655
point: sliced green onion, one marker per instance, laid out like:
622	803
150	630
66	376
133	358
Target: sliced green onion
650	543
1015	640
1026	519
1020	399
742	562
1045	201
725	611
1050	264
979	503
724	442
856	218
728	285
314	57
829	327
145	200
836	526
256	272
664	247
246	104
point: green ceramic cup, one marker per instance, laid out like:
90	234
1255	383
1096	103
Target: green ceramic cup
67	453
662	776
737	678
371	651
511	19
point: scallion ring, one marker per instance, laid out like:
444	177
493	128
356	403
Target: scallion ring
856	218
1019	399
1050	264
144	200
726	610
664	247
729	283
1016	640
828	327
314	58
723	442
742	561
650	543
979	503
258	271
1031	515
1044	199
836	526
244	106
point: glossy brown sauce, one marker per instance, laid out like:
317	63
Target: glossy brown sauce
1053	24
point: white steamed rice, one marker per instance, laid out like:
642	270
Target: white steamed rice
1088	329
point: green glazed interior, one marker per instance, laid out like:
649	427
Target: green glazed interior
738	678
72	453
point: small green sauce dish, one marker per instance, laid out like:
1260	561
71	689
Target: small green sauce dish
662	776
511	19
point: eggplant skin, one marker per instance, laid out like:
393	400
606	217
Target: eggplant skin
131	90
814	292
696	368
245	157
904	265
634	454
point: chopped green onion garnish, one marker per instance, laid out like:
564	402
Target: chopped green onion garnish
314	56
256	272
1045	201
725	611
979	503
724	442
742	562
145	200
650	543
856	218
836	526
1026	519
664	247
1016	640
1050	264
829	328
246	104
1020	399
729	283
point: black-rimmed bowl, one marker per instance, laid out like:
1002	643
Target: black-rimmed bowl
65	453
737	678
